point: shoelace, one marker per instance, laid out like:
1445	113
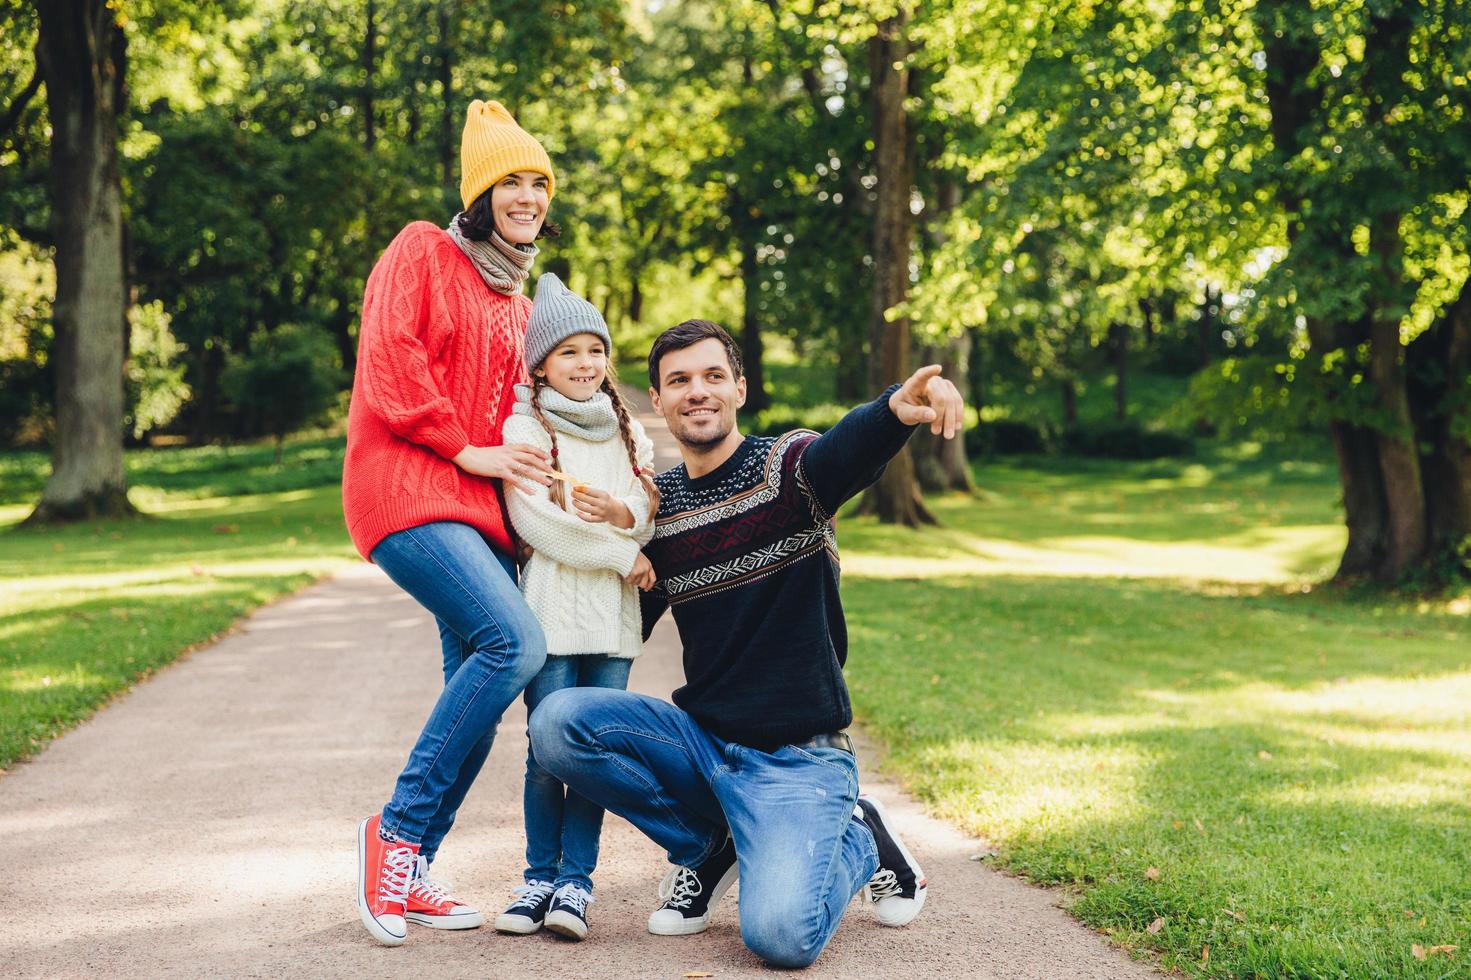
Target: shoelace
576	897
396	875
532	894
431	891
884	884
679	888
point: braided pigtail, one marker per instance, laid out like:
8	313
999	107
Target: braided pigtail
625	430
558	489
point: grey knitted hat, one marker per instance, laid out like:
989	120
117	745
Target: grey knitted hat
556	314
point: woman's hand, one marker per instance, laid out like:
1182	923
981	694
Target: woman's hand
596	507
642	573
517	464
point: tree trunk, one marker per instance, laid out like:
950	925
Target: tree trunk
941	464
1439	375
1146	311
1118	347
1208	327
1399	463
895	498
1069	402
752	344
82	53
635	299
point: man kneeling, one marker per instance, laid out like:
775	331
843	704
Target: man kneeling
749	774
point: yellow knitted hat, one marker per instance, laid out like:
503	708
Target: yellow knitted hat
493	146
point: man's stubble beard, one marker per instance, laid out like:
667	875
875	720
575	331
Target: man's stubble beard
683	436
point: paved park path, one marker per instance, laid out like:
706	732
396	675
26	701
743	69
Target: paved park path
203	825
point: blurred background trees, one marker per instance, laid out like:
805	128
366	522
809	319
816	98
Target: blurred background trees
1121	226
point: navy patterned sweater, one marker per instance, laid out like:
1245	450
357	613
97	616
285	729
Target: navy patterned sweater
747	558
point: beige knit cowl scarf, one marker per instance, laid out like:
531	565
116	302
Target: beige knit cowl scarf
504	267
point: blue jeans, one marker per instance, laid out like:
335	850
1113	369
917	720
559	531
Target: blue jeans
563	827
492	646
802	854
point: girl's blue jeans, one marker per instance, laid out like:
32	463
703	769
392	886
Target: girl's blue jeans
492	645
563	826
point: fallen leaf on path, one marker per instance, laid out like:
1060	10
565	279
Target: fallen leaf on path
1235	915
699	974
1152	873
1178	824
1205	955
1155	926
1442	950
1417	951
1199	826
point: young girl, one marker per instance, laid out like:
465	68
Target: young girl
582	581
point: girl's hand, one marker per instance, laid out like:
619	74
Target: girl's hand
642	573
597	507
519	465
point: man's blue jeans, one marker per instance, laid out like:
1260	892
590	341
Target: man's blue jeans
492	646
802	854
562	826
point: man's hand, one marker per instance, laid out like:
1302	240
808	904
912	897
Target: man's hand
642	573
518	464
595	506
927	397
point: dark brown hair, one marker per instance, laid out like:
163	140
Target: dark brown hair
687	334
478	220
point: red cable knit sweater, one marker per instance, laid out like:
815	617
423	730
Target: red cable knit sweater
438	354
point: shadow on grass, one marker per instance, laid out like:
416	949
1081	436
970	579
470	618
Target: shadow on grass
1294	767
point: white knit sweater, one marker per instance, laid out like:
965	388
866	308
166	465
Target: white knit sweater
574	581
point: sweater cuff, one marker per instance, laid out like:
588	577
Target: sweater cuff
628	554
448	440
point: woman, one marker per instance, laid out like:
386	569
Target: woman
440	350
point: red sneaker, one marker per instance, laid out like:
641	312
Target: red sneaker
385	869
430	904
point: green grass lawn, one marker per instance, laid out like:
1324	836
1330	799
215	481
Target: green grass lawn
1117	675
87	611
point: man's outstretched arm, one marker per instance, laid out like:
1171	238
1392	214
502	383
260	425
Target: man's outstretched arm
852	454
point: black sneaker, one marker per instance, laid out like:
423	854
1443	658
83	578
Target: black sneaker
568	913
690	894
897	888
526	914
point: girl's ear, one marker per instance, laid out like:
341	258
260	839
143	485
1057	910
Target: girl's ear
539	372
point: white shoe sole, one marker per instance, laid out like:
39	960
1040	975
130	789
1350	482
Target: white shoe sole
465	920
896	911
689	927
566	924
516	925
380	927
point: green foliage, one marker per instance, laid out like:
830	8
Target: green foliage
1124	440
155	385
288	381
784	418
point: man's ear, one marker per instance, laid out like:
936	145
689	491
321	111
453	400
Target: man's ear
741	392
654	397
